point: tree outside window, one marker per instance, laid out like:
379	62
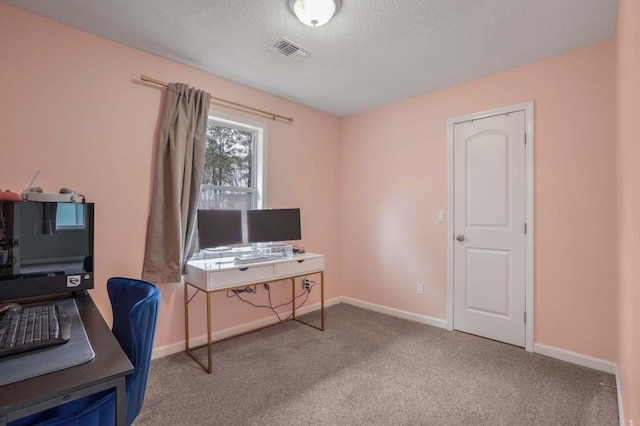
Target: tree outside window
231	176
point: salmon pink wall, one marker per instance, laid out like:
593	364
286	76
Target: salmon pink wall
394	178
74	108
628	45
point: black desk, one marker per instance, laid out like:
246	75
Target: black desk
108	369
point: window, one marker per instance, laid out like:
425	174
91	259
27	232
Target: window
70	216
233	175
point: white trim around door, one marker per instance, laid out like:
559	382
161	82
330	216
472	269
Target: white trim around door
527	107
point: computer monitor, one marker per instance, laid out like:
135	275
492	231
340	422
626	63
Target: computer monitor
273	225
45	248
217	228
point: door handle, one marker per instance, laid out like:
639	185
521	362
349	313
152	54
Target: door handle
460	237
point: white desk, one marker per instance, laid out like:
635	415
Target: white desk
209	277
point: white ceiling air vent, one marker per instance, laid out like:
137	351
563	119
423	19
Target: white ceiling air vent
289	49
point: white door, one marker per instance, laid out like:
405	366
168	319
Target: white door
489	227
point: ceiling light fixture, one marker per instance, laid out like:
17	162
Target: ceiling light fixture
314	12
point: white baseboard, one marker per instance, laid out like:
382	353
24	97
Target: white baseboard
435	322
576	358
173	348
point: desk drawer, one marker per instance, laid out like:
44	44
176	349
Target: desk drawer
244	275
296	267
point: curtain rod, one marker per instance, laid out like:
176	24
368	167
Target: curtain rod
270	114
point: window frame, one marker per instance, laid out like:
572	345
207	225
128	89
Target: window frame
258	156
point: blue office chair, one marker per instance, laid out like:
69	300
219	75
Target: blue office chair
135	313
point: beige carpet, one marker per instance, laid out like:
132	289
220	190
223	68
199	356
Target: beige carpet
368	368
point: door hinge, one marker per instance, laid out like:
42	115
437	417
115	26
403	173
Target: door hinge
525	138
525	227
525	317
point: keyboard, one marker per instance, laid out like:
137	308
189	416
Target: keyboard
33	327
256	257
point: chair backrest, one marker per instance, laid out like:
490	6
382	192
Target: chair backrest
135	306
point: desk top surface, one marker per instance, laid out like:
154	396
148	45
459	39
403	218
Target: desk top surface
109	363
211	264
31	364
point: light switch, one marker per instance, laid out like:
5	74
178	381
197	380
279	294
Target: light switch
440	215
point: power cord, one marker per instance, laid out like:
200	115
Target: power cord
242	290
237	293
308	284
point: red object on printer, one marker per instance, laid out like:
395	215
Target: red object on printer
7	195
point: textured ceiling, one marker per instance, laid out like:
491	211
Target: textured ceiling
371	53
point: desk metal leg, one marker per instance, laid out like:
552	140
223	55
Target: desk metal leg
121	403
321	328
189	350
293	298
322	300
209	369
186	317
208	366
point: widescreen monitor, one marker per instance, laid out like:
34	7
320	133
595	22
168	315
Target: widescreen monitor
273	225
218	228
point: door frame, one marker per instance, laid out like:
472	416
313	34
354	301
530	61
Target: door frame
527	107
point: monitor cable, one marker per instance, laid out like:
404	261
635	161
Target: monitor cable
237	293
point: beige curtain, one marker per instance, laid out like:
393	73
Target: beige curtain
181	147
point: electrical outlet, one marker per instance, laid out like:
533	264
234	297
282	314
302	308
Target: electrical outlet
439	215
419	287
306	284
